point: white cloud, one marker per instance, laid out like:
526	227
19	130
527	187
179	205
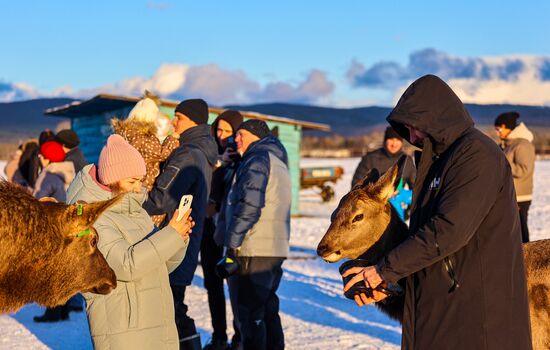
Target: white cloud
514	79
215	84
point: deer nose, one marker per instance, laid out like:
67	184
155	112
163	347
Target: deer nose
322	249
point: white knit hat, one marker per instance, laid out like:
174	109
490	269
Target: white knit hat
146	110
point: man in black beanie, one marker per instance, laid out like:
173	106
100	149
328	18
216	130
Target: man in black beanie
70	141
188	170
254	226
383	158
516	142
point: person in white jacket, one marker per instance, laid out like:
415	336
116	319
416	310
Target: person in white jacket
517	144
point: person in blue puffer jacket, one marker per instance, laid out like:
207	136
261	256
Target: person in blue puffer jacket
255	229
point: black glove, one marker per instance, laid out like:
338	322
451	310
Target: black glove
228	265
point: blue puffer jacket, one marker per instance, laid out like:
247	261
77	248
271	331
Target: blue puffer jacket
188	170
255	219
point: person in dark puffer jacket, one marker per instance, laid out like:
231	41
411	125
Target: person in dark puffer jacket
255	227
188	170
223	129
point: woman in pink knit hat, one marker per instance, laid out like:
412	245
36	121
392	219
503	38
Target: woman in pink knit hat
139	313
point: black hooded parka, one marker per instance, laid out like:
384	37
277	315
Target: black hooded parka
463	261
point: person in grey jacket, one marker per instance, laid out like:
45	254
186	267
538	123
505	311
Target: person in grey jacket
139	312
516	142
255	228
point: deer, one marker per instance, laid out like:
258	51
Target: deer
48	250
383	230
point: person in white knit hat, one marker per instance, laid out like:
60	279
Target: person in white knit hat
139	312
140	129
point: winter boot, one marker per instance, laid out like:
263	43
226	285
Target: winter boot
216	344
192	342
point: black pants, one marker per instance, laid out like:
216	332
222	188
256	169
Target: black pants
184	323
253	289
211	253
523	211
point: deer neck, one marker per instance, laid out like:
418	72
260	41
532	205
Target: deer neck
394	234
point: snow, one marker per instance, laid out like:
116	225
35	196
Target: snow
314	313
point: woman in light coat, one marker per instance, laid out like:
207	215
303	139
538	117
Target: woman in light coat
139	313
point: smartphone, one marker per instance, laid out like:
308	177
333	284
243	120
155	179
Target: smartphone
185	204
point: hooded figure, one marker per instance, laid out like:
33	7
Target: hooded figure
463	261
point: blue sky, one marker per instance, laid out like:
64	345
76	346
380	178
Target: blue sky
76	47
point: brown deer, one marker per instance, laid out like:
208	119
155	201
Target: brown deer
382	230
48	250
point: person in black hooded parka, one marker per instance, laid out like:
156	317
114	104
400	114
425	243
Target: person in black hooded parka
463	261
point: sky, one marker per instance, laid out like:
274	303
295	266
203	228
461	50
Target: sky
342	54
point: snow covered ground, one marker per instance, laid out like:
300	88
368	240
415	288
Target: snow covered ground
314	312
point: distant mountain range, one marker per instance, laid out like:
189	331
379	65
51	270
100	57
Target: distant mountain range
357	121
23	119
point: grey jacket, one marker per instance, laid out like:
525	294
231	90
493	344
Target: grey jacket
54	180
139	313
520	152
255	219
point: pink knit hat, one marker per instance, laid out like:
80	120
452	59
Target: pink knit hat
119	160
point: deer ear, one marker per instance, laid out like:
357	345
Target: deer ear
386	185
85	215
371	177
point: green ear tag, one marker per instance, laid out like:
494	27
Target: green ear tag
84	233
79	209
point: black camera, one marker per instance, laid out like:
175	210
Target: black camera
359	287
227	266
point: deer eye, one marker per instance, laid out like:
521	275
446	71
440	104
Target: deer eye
357	218
93	242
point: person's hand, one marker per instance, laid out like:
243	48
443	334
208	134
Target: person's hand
185	225
228	155
371	278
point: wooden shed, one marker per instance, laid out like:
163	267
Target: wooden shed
90	119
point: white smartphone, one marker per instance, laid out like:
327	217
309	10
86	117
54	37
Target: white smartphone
185	204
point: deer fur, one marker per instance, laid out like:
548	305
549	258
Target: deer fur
41	258
381	230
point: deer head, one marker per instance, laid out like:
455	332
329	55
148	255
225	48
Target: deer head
362	218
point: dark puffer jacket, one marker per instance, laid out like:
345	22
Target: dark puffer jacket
255	218
188	170
464	228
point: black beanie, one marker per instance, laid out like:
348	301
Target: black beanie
509	119
234	118
391	134
195	109
68	138
45	136
256	127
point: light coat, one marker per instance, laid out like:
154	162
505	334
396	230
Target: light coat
139	313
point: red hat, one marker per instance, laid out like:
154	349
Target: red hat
52	151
